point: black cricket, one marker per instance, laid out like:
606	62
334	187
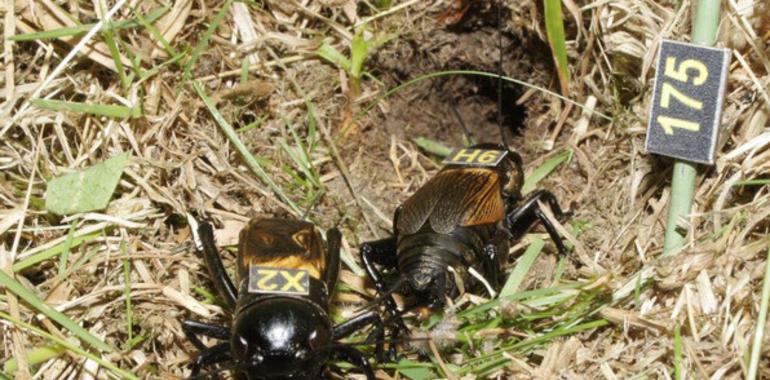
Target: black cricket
280	326
465	217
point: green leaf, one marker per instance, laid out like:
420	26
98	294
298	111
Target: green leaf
84	28
359	50
521	269
334	57
87	190
109	110
432	146
35	357
544	170
204	41
414	370
54	251
554	27
677	352
38	304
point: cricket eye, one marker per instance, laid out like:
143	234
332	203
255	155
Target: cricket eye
318	339
240	347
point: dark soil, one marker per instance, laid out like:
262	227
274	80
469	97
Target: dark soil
437	108
447	108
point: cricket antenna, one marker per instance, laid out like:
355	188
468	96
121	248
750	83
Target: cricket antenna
503	136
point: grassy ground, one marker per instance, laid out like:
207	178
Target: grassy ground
232	110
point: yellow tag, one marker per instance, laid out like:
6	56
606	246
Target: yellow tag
278	280
475	157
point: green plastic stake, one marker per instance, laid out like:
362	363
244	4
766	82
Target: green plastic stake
756	347
704	32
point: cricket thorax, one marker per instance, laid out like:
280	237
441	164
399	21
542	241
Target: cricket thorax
282	245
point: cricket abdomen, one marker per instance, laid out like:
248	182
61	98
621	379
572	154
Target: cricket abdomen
425	256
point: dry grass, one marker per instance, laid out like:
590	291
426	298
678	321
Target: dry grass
136	275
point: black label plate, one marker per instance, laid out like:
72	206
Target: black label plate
475	157
270	280
687	101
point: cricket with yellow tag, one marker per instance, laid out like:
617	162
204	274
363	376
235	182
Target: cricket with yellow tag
460	223
281	326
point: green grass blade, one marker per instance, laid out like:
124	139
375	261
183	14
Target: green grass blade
300	164
121	373
678	352
521	269
473	364
312	124
350	262
414	370
554	27
35	357
53	33
557	333
127	296
109	110
54	251
109	38
146	74
334	57
534	293
559	269
204	42
38	304
84	28
432	147
753	182
756	348
146	23
247	156
437	74
245	71
359	49
208	297
551	300
544	170
82	261
254	124
65	254
301	156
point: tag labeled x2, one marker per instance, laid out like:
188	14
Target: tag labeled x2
269	280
